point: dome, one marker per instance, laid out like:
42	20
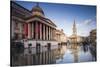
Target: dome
37	9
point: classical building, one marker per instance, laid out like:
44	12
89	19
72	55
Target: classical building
31	27
92	37
93	43
60	36
73	37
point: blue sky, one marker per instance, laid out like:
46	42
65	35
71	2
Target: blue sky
63	15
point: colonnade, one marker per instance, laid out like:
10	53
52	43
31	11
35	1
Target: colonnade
40	31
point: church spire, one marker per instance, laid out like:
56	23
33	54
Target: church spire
74	28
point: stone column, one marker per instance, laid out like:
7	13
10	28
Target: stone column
53	34
36	30
40	31
47	32
20	30
20	27
50	33
32	30
43	32
12	28
29	30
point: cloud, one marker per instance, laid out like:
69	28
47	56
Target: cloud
87	21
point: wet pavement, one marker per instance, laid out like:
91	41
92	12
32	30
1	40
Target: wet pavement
56	55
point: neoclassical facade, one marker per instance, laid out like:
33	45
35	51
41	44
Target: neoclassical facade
60	36
31	27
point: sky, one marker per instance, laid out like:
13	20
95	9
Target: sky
63	15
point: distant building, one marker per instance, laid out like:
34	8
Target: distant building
60	36
93	43
31	27
93	36
73	37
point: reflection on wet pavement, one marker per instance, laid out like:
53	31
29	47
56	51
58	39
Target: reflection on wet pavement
58	55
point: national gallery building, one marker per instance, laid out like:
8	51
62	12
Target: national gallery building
31	27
